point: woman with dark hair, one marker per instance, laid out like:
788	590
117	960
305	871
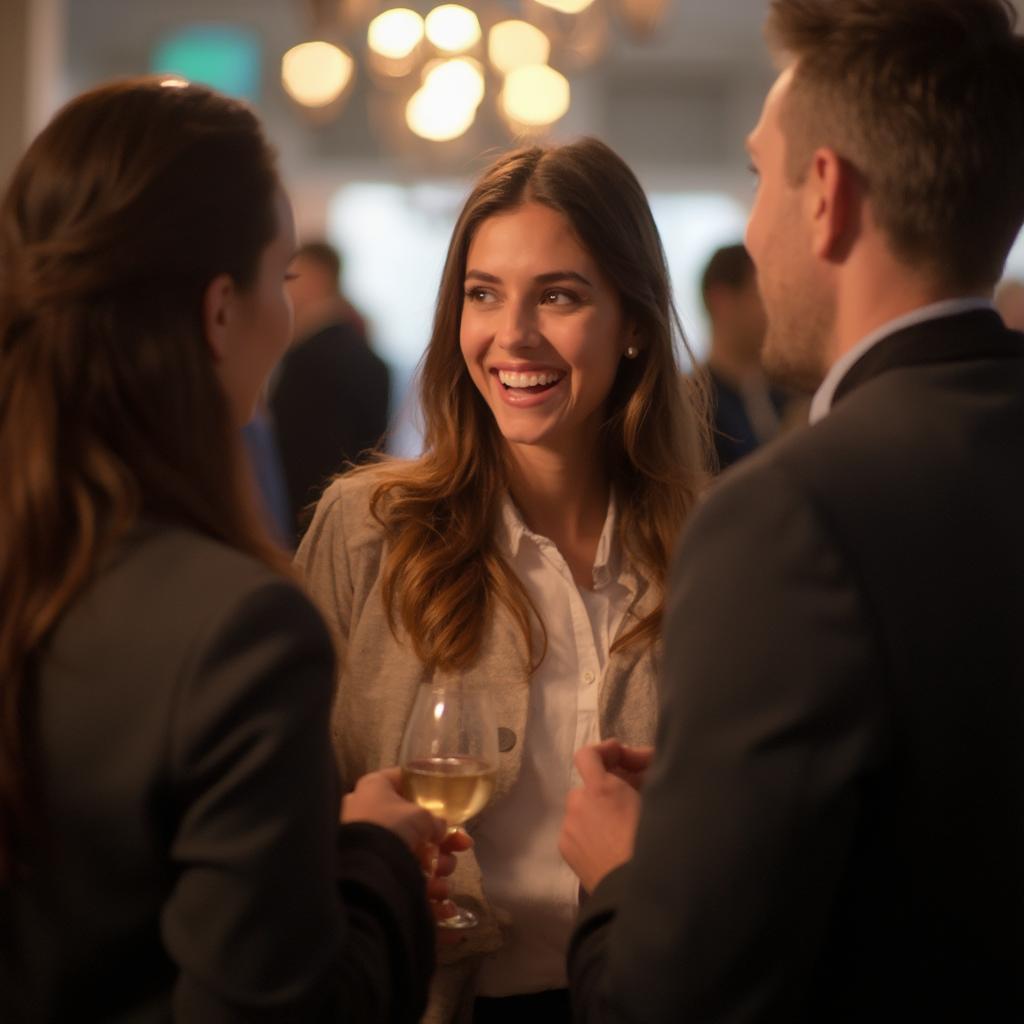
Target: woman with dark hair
169	842
528	546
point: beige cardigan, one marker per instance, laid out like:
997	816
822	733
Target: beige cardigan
341	558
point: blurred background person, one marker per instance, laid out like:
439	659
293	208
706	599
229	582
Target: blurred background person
528	546
169	841
747	408
329	397
1010	303
271	491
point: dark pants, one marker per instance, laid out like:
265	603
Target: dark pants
550	1007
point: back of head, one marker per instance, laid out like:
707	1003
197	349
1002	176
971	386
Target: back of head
324	257
117	218
729	267
315	287
925	99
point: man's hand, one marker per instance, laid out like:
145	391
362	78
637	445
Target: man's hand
600	820
629	763
376	799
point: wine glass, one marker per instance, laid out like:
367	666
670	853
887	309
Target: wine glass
449	758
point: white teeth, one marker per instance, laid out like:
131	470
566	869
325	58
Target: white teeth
526	380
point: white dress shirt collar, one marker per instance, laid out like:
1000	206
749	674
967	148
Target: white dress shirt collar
513	529
821	404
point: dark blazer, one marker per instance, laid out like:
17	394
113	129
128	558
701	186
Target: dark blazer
188	864
834	826
733	431
329	403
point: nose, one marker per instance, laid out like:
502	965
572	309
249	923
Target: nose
518	327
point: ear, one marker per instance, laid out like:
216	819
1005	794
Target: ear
833	197
633	340
218	304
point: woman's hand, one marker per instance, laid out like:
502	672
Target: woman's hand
437	884
376	799
444	862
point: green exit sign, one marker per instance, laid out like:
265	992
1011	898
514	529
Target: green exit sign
224	57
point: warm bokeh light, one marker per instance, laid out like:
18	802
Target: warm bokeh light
315	74
567	6
535	96
395	33
452	28
431	115
515	44
459	81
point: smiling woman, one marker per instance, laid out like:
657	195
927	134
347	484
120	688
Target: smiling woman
527	548
542	332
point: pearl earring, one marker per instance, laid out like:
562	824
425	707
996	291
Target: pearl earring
632	352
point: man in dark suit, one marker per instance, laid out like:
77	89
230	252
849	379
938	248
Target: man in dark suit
329	397
832	828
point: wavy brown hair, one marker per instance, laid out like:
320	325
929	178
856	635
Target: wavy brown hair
444	573
115	221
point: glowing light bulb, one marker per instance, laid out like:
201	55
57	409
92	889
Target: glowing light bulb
459	81
315	74
535	96
395	33
567	6
432	115
515	44
452	28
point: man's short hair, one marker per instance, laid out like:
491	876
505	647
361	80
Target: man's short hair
731	267
925	100
323	255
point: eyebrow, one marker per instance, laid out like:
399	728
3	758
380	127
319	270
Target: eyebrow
549	278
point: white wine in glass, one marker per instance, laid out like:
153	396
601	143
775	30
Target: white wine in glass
449	758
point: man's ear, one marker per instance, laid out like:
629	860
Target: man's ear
833	195
218	303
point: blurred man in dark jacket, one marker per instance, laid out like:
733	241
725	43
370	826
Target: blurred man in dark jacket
329	399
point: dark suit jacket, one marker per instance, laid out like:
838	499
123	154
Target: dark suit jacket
329	403
189	865
834	826
733	432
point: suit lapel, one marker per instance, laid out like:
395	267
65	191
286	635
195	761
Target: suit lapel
979	334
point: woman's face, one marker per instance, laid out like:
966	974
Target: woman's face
260	319
542	329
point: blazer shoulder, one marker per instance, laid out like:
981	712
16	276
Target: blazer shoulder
182	559
191	582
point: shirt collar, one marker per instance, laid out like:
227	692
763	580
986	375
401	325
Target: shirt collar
821	404
513	531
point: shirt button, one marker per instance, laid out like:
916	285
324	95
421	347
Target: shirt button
588	677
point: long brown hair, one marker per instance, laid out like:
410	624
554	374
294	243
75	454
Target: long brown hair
443	572
118	216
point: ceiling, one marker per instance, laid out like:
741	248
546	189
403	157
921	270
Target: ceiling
680	101
677	106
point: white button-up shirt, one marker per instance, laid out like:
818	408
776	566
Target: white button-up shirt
516	840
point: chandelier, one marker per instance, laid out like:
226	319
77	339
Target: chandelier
440	60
